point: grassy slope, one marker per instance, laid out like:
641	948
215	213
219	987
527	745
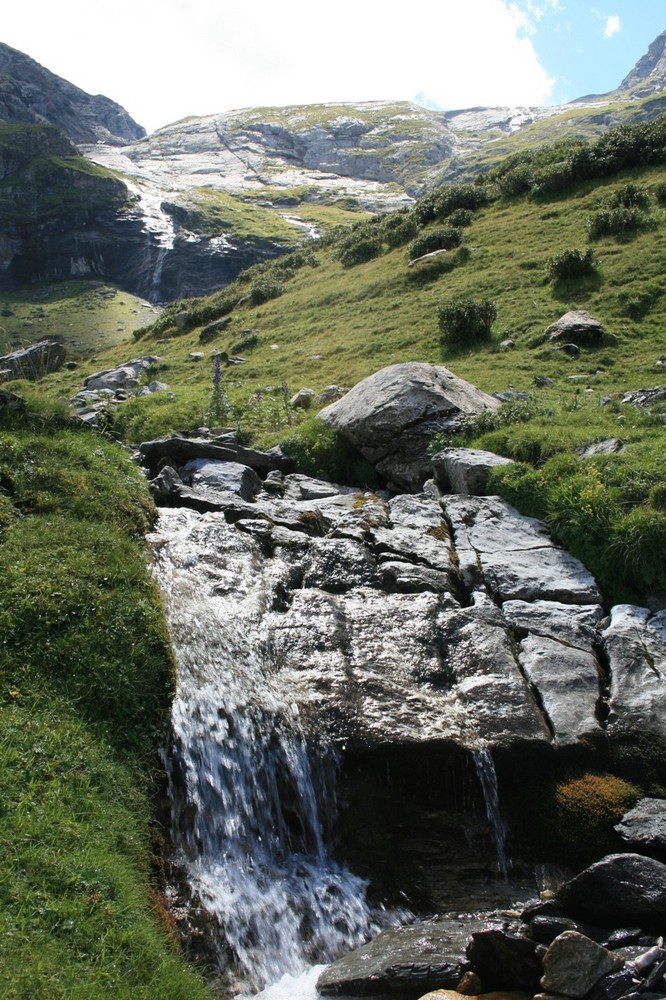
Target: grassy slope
337	325
85	684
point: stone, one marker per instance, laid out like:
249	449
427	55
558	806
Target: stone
635	645
227	477
126	376
180	450
211	330
622	888
644	826
411	960
330	394
465	470
545	929
505	958
574	964
513	555
152	387
391	415
645	398
32	362
577	327
610	446
574	624
303	399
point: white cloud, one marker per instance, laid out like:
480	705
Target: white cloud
612	26
180	57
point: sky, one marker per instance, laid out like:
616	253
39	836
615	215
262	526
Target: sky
163	60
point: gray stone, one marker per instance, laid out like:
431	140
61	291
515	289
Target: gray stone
226	477
211	331
153	387
576	625
410	960
608	447
645	398
180	450
644	826
635	644
330	394
577	327
391	415
465	470
513	555
126	376
619	889
32	362
303	399
574	964
568	682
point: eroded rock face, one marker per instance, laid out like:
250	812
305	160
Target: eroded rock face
32	362
391	416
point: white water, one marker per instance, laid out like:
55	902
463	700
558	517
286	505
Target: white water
251	801
485	769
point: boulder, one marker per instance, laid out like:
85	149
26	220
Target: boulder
227	477
303	399
644	826
574	964
391	416
408	960
180	450
513	555
620	889
32	362
505	958
635	645
465	470
125	376
576	327
610	446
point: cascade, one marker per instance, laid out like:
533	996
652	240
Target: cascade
251	800
485	769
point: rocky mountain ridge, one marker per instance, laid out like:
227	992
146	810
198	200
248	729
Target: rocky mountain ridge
31	94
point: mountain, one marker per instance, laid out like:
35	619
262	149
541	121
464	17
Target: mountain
649	74
31	94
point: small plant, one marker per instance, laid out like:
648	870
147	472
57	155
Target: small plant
219	407
571	264
464	321
358	248
264	290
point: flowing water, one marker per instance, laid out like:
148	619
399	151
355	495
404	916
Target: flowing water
252	801
485	769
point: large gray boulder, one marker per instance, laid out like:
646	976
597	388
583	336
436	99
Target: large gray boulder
391	416
32	362
577	327
620	888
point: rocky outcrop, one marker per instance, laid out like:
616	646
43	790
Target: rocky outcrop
649	74
32	362
31	94
576	327
465	470
643	828
391	416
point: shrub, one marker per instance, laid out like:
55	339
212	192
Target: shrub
466	320
461	217
399	228
622	221
445	238
319	451
571	264
264	290
443	201
358	247
631	196
659	191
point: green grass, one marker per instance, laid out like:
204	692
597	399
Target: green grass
85	688
85	315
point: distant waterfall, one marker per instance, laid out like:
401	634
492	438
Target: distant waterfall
485	769
250	798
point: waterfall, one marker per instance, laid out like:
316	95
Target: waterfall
485	769
251	800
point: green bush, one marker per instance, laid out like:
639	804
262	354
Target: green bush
399	228
659	191
445	238
463	321
265	290
631	196
362	244
622	222
461	217
439	204
320	452
571	264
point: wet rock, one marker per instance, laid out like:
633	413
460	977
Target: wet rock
407	960
504	958
513	555
574	624
577	327
32	362
231	477
635	644
615	985
621	888
644	826
465	470
391	416
574	964
545	929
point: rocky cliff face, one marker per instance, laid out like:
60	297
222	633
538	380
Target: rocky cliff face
29	93
649	74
